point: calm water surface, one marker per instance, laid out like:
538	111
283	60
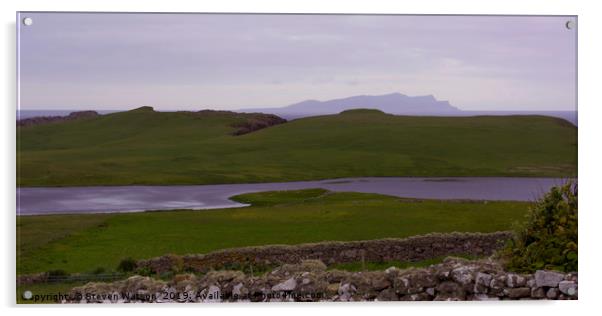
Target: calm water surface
31	201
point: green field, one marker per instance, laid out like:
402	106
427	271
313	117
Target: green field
147	147
82	243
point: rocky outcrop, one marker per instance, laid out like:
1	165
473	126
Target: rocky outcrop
53	119
245	122
453	280
255	122
414	248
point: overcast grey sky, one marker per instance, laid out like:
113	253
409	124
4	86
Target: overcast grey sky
196	61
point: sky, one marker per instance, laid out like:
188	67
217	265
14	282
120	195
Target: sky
101	61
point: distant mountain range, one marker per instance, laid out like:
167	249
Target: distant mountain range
394	103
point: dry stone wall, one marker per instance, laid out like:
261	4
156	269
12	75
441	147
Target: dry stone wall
415	248
454	279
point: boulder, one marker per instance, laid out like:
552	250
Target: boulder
548	278
212	294
346	292
515	280
287	285
552	293
430	291
335	276
498	283
380	282
482	282
449	290
332	289
239	290
421	279
387	295
462	275
568	287
401	284
518	292
538	292
572	276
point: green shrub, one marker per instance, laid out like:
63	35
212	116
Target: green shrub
548	238
127	265
145	271
57	273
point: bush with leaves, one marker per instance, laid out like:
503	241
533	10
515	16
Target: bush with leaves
127	265
548	238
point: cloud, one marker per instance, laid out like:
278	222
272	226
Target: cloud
180	61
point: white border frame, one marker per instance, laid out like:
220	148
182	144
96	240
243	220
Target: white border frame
589	148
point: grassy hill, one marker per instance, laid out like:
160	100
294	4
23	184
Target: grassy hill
147	147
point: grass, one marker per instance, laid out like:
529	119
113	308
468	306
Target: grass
147	147
33	234
83	243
